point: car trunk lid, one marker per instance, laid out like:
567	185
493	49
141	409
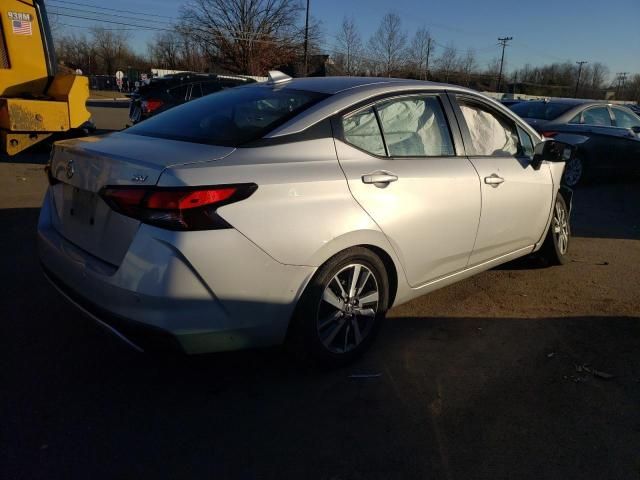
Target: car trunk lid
80	168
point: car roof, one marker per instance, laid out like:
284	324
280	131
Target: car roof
569	101
344	92
333	85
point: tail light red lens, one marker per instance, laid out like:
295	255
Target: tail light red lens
177	208
172	200
151	104
549	134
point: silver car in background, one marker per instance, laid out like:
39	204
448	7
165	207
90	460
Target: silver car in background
297	211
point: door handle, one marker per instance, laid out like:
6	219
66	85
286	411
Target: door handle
379	179
494	180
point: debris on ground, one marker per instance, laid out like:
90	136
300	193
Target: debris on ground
605	263
575	378
592	371
598	373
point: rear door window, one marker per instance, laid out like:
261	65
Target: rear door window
625	119
598	116
361	129
179	93
196	91
415	127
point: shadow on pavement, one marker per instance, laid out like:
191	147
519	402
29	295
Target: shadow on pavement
472	398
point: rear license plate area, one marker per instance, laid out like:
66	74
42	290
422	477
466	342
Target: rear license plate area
81	206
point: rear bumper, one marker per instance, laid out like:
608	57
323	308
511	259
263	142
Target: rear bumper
192	291
137	335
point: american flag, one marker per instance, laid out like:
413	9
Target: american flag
21	27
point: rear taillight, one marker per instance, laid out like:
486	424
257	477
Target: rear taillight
151	104
549	134
177	208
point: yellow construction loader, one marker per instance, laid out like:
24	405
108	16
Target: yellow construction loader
35	100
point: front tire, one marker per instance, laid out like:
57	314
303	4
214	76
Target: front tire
341	310
555	248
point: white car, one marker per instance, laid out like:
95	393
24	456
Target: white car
296	210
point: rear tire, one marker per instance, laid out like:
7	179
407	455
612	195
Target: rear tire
555	248
573	172
341	310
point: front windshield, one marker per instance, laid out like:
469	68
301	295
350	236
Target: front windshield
229	118
541	110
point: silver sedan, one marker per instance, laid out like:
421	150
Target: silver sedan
296	211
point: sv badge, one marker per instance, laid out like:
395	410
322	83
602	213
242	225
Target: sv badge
139	178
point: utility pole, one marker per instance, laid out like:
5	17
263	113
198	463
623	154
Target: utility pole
306	43
580	64
426	73
504	41
622	77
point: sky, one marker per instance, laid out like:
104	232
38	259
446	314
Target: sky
543	31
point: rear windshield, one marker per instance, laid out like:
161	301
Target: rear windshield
541	110
229	118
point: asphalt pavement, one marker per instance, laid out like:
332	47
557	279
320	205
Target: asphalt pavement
521	372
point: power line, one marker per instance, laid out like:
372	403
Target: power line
113	9
87	27
143	27
103	15
158	25
167	29
504	41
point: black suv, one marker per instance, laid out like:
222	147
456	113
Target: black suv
161	94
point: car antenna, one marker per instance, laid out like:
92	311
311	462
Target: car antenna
276	77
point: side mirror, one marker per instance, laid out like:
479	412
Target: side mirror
636	129
552	151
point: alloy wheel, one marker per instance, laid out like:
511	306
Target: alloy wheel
560	224
348	308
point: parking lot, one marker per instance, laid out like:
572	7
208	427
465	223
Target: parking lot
522	372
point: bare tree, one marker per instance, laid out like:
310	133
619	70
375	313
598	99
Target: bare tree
110	48
468	65
349	46
448	60
388	44
421	51
633	88
164	50
245	36
75	51
192	54
598	74
493	70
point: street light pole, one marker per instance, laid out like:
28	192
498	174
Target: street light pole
580	64
503	41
